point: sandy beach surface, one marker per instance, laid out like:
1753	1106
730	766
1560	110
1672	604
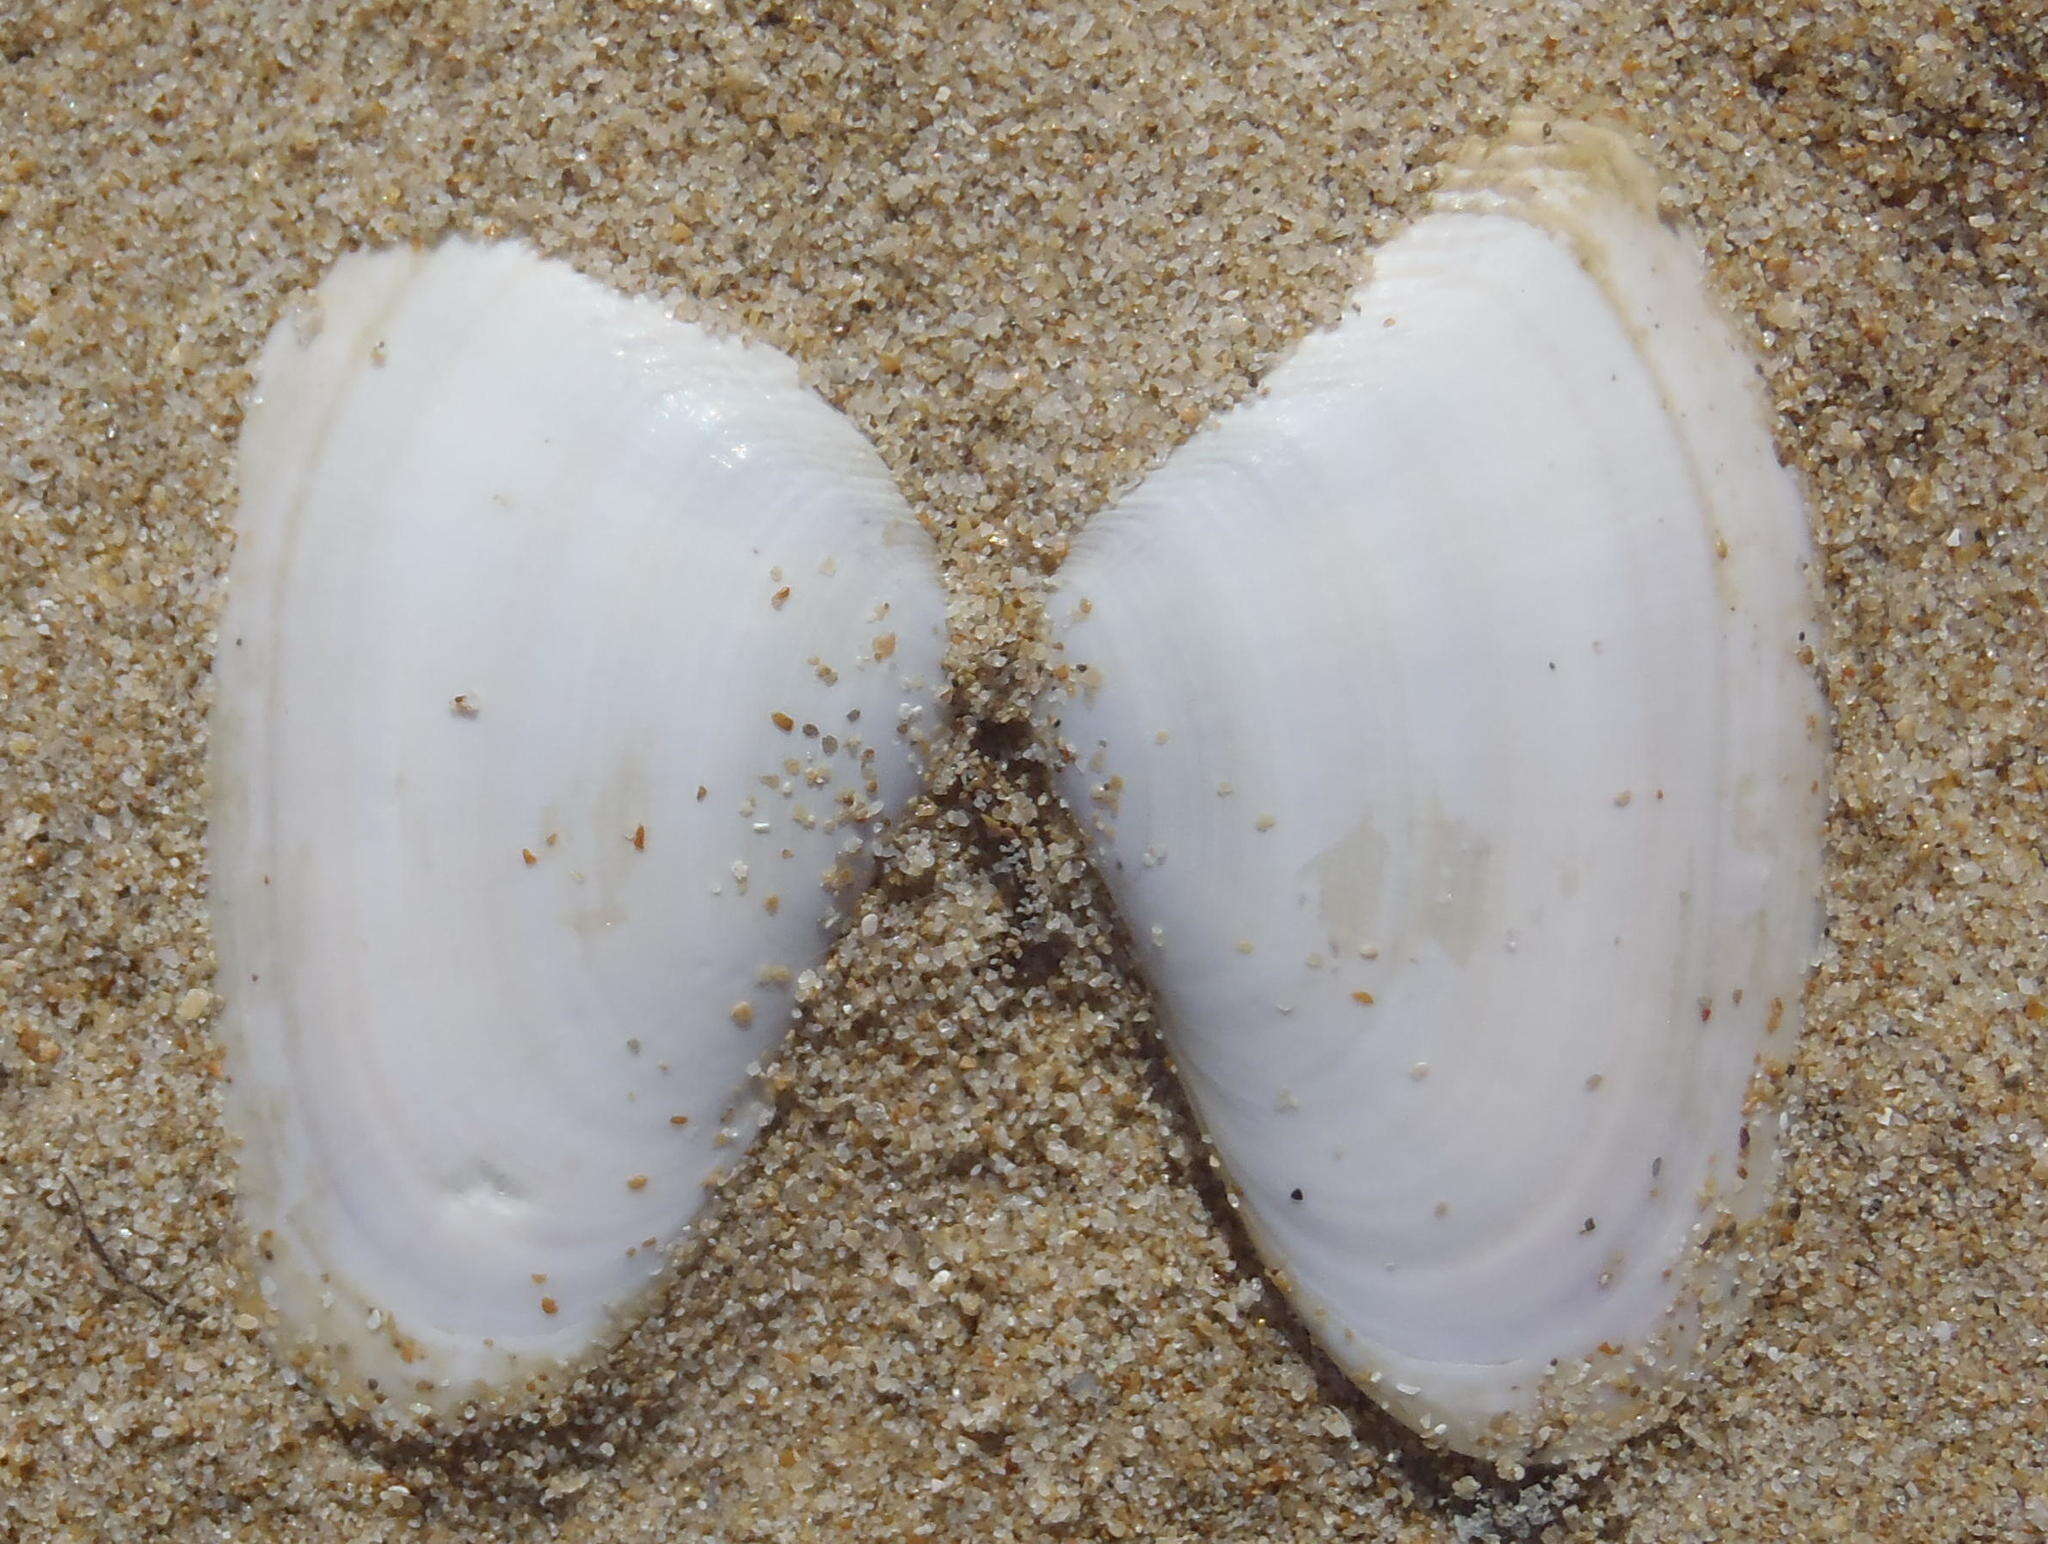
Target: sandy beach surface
977	1282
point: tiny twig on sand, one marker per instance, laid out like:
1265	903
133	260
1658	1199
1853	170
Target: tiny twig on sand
106	1259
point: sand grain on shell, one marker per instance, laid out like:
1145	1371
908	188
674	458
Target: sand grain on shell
970	1286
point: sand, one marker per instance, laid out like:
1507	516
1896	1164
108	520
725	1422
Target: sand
977	1282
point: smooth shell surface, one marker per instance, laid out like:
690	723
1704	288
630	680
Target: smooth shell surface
569	651
1448	717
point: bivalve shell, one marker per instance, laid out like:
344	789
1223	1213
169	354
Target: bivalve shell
570	651
1448	720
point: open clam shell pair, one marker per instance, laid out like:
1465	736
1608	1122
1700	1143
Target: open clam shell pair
1444	715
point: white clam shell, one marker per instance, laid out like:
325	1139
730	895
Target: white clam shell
1458	760
503	831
